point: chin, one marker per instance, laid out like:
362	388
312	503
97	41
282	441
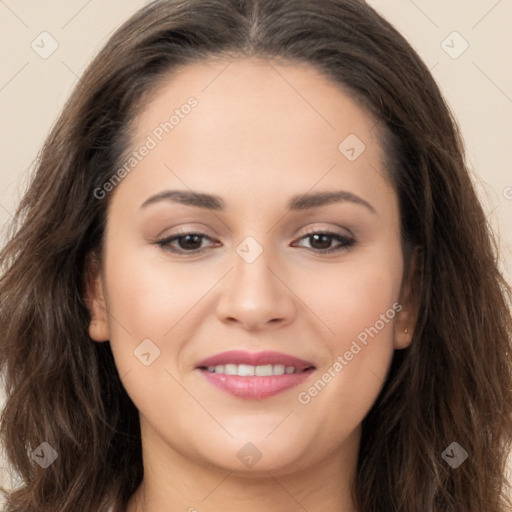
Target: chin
256	456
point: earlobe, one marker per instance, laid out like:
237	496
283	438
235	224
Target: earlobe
403	338
406	319
95	301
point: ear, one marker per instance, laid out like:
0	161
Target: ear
407	317
95	299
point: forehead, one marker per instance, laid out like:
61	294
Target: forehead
255	122
261	95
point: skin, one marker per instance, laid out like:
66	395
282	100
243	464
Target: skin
261	133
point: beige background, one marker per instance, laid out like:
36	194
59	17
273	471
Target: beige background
477	83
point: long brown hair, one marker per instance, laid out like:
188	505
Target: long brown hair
454	382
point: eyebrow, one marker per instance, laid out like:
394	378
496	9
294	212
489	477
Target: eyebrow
296	203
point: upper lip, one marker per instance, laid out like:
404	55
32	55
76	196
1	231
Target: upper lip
254	359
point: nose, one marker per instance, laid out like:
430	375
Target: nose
255	294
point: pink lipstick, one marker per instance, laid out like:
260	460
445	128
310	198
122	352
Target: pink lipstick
251	375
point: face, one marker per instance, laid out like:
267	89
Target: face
254	329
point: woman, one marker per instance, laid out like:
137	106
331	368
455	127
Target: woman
337	336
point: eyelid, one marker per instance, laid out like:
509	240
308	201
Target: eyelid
315	229
203	230
192	228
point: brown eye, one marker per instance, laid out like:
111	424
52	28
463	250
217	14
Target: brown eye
191	242
187	243
321	241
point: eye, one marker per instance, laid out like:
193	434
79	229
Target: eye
321	241
191	242
188	243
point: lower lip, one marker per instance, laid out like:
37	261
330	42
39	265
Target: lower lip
256	387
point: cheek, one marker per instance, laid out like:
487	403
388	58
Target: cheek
144	302
352	296
359	303
149	304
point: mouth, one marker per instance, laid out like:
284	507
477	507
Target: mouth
255	376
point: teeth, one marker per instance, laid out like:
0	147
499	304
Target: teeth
231	369
264	370
248	370
278	369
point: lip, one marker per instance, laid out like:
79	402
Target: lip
254	387
255	359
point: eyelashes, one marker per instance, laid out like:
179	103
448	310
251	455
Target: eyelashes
323	237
